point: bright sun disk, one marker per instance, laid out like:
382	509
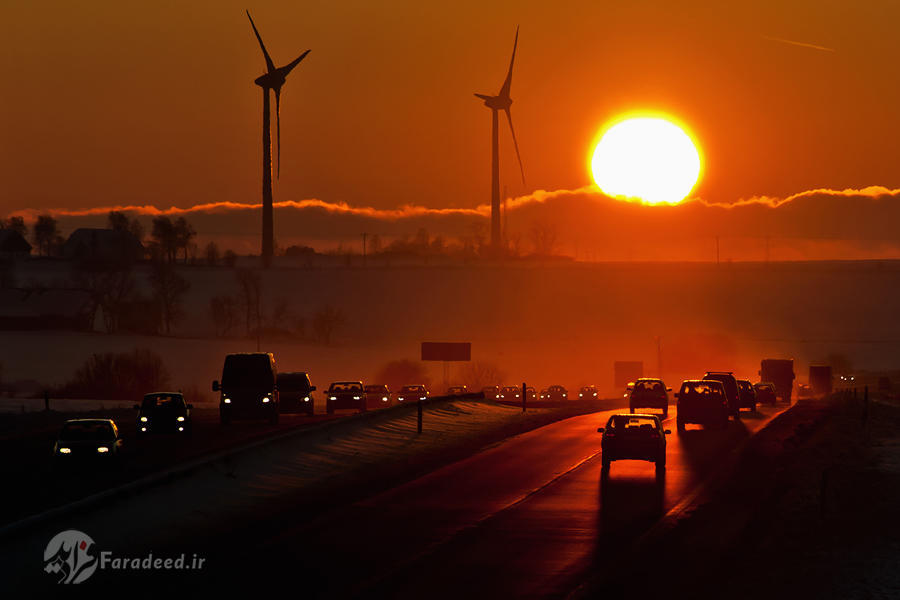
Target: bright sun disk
646	158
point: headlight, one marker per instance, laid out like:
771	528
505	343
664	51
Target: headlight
517	395
595	393
332	397
400	399
65	450
384	398
180	419
226	400
143	419
496	396
581	395
267	399
422	398
102	449
143	429
306	398
356	397
181	429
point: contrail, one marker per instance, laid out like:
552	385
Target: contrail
801	44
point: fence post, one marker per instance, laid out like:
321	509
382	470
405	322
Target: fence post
524	396
419	419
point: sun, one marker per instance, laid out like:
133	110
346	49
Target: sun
649	159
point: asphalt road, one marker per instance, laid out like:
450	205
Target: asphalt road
530	517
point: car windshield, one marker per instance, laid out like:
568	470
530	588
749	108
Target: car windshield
87	431
632	424
648	386
701	388
345	387
163	401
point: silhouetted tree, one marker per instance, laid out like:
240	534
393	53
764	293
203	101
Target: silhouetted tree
326	322
224	313
168	290
543	238
117	376
398	373
478	374
184	235
119	221
46	234
165	239
212	254
249	294
17	224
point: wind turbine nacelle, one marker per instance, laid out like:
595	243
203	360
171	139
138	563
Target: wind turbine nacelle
496	102
273	80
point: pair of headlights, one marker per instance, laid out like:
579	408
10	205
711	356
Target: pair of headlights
100	449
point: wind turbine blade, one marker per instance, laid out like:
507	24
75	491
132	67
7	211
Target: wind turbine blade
516	144
269	64
504	91
290	66
483	96
278	132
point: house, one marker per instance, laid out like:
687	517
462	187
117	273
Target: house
12	244
103	244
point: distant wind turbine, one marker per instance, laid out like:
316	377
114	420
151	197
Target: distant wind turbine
272	79
501	101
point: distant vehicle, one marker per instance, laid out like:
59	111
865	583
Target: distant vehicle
163	412
804	390
747	393
491	392
412	393
457	390
248	387
87	440
531	393
702	401
511	392
821	380
634	436
345	394
378	395
295	393
729	382
779	371
648	392
555	393
588	391
765	392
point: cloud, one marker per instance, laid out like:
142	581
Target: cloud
814	224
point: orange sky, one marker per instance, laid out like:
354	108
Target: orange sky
108	104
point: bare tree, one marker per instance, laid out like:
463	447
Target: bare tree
224	313
184	235
110	287
119	221
17	224
543	238
46	234
249	294
168	290
165	239
326	322
479	374
212	254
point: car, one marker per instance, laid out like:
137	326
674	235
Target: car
588	391
530	393
83	441
164	412
555	393
295	393
765	392
804	390
249	387
457	390
748	394
511	393
702	401
729	381
491	392
345	394
648	392
633	436
378	395
412	393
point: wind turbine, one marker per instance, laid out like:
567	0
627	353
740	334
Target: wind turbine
501	101
272	79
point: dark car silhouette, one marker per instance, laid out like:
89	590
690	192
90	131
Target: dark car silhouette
345	394
765	392
164	412
729	381
555	393
249	387
511	392
702	401
491	392
633	437
747	393
457	390
530	393
412	393
295	393
87	441
378	395
588	391
649	393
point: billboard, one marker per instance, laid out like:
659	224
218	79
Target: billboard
447	351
